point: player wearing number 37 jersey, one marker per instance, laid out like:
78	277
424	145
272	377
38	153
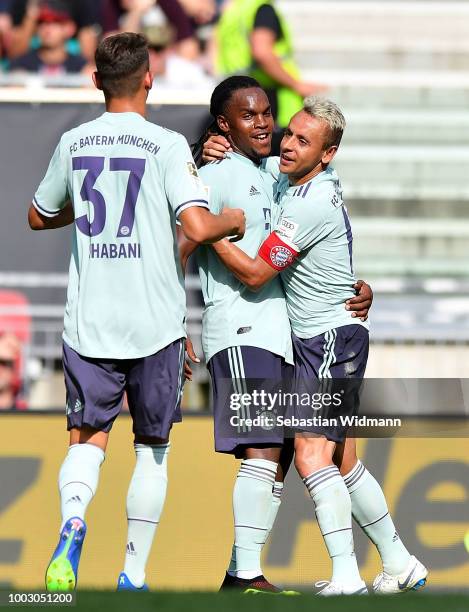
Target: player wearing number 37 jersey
123	182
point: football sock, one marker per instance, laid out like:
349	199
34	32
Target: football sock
370	510
275	505
252	505
277	491
145	500
333	511
78	479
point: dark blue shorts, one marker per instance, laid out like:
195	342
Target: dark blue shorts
245	369
95	390
331	366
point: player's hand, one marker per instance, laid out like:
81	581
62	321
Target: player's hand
215	148
305	89
237	220
190	356
361	303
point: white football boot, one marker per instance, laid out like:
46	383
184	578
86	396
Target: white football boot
341	588
413	577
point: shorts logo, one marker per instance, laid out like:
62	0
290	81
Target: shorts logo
281	256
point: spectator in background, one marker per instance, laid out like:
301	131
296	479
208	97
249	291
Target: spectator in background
201	11
5	27
169	67
10	349
25	13
253	38
203	14
135	15
54	28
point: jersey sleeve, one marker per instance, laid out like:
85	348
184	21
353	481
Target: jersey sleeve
52	194
214	182
182	183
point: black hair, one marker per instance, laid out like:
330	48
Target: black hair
219	102
121	61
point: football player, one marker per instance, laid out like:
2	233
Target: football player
122	181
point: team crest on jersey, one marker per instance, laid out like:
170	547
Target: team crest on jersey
281	256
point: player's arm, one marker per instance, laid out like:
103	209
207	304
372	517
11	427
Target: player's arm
202	227
277	252
51	206
186	247
266	30
38	221
273	256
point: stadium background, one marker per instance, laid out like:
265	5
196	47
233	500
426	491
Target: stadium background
399	71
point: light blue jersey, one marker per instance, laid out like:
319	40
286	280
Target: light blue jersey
234	315
128	180
314	222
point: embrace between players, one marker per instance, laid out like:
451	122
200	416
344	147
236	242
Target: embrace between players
281	304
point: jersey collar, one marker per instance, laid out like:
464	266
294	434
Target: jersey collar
122	116
326	175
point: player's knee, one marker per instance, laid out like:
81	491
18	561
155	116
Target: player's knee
89	435
268	454
311	455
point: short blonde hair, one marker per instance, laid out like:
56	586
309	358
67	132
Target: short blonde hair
325	109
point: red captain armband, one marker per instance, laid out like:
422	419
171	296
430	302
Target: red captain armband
277	253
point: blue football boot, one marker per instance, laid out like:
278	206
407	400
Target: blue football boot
124	584
62	573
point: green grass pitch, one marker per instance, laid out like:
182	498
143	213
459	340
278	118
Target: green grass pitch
98	601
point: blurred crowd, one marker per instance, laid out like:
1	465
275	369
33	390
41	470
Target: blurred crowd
57	37
191	41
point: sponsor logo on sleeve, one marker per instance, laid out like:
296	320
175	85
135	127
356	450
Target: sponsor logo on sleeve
281	256
192	169
287	229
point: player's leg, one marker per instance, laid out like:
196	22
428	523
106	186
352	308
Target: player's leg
145	501
252	508
369	506
313	461
401	571
255	540
285	460
154	389
314	449
239	370
94	398
79	473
